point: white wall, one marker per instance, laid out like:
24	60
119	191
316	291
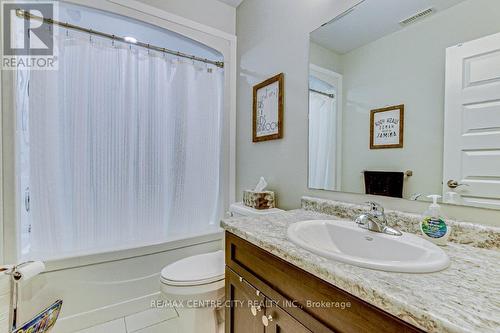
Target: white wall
122	26
406	67
210	12
273	37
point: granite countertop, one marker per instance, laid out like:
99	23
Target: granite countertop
462	298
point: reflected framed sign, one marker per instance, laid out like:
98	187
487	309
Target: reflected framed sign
387	127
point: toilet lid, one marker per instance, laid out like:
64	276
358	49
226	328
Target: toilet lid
196	270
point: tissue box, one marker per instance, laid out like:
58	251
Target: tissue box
259	200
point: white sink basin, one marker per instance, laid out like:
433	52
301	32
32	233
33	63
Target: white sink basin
346	242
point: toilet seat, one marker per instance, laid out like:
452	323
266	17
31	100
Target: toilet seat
198	270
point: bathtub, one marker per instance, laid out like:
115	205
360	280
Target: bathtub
102	287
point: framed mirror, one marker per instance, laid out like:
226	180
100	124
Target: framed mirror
404	101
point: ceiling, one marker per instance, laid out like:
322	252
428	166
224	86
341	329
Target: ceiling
371	20
232	3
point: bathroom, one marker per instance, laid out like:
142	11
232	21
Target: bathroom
138	195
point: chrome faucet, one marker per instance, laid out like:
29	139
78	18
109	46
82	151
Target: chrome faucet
415	196
376	221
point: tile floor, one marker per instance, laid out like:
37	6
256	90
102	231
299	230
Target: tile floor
149	321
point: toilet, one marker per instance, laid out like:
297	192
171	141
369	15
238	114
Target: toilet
195	285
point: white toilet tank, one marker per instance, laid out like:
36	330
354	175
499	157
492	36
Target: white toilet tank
239	209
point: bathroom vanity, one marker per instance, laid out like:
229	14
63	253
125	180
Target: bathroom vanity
269	294
277	286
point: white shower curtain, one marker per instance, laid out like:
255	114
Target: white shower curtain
124	148
322	141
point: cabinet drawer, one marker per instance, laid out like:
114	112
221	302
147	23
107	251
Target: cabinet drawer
252	312
318	305
282	322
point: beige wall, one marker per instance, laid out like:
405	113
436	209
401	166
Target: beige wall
209	12
273	37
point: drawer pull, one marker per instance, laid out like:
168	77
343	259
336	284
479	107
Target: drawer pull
257	292
267	320
255	310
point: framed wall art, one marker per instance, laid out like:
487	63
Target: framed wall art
268	109
387	127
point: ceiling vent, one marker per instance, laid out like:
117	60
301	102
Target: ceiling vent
416	17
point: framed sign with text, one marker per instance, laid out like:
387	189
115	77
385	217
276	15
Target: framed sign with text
268	109
387	127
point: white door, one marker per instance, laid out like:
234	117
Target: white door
472	122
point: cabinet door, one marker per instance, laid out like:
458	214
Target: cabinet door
246	307
277	320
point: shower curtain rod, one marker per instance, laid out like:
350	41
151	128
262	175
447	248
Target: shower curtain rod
27	16
322	93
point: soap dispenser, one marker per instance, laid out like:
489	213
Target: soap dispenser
433	224
453	198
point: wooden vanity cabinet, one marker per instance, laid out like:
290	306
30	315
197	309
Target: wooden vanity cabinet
243	297
248	306
269	295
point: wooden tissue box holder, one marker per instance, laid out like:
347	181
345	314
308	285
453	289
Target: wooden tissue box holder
259	200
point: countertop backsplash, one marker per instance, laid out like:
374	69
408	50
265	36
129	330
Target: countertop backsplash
476	235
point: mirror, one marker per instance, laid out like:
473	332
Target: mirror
404	101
